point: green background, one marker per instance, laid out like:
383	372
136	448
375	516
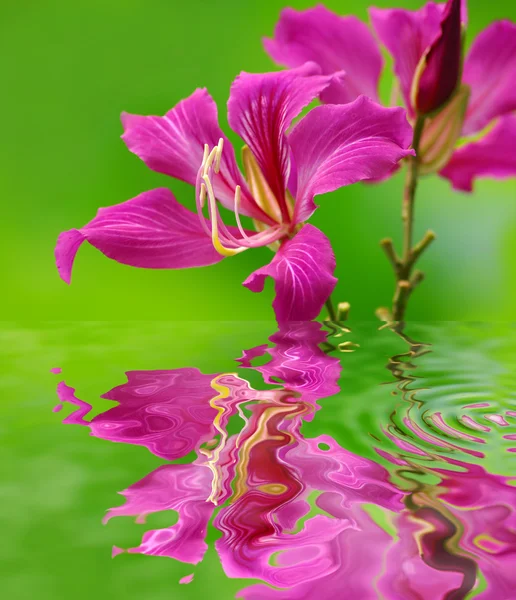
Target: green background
70	68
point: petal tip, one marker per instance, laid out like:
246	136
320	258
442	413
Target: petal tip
67	245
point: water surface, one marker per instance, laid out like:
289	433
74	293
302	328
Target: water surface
301	463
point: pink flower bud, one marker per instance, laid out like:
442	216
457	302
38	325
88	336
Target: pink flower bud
439	71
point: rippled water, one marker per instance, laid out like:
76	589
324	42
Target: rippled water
309	462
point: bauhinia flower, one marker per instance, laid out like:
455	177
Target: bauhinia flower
332	146
470	99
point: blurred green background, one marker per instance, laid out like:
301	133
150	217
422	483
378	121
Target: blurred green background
70	68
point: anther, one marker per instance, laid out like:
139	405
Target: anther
218	155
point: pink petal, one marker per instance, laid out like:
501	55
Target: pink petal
407	34
302	270
492	156
174	145
261	108
181	488
167	411
342	549
490	71
441	73
297	360
335	43
335	146
406	574
152	231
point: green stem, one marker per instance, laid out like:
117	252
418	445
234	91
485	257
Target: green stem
403	265
331	310
409	194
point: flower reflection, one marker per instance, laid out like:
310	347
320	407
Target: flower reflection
464	523
305	516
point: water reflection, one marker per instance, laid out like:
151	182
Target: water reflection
461	518
305	516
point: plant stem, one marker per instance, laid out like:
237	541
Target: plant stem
409	195
331	310
405	280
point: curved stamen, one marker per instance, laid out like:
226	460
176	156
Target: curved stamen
223	240
214	217
237	215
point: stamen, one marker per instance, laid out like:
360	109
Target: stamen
202	195
237	215
219	247
218	157
205	156
223	240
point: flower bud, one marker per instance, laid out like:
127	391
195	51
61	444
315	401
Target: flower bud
441	132
439	71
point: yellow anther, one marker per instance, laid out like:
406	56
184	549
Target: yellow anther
238	195
218	155
202	195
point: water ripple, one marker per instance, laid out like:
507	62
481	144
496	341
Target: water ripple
306	516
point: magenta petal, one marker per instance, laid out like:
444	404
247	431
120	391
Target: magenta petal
152	231
490	71
441	73
407	34
492	156
406	575
297	360
261	108
335	146
181	488
169	411
174	145
302	270
335	43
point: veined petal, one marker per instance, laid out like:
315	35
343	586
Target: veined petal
174	145
152	231
302	270
407	34
492	156
335	43
335	146
439	72
261	108
490	71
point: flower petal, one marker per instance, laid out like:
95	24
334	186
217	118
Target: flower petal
490	71
303	273
261	108
152	231
440	69
168	411
335	146
174	145
492	156
298	361
335	43
407	34
408	575
181	488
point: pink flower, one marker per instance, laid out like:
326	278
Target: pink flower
330	147
426	49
